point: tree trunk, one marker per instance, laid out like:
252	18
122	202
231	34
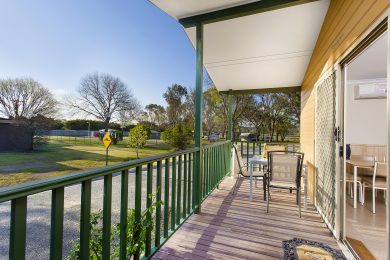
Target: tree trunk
106	123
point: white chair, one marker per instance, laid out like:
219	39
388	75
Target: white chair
349	174
241	169
284	172
377	182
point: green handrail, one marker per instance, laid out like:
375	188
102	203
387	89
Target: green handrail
179	199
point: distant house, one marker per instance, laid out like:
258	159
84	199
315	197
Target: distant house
14	136
154	134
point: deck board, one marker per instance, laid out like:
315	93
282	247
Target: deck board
232	227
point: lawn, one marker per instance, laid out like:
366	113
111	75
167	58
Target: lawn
67	155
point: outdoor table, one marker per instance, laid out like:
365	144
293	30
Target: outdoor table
260	160
356	165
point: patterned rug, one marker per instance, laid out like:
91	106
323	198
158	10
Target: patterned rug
301	249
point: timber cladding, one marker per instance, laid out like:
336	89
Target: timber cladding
344	23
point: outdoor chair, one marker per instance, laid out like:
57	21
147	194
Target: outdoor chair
378	181
284	172
241	169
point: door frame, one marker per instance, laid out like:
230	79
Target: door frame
339	211
360	46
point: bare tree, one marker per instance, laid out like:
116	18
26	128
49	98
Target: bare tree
104	97
25	98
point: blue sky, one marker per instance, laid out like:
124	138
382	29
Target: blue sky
59	42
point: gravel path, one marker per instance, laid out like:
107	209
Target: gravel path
39	210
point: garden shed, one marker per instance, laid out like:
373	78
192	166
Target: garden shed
15	136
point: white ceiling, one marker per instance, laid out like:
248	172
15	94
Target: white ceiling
265	50
185	8
372	63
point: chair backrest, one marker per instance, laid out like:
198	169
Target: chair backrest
369	158
277	147
238	162
285	166
380	169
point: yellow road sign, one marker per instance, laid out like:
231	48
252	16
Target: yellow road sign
107	140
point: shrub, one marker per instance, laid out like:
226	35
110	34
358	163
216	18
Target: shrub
178	136
136	234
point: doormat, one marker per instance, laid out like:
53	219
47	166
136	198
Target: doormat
301	249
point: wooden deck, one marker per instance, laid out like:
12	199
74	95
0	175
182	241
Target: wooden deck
232	227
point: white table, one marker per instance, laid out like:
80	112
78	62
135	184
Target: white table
260	160
356	165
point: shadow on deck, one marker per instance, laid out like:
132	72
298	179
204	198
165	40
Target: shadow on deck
232	227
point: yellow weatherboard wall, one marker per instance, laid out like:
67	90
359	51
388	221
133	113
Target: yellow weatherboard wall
344	23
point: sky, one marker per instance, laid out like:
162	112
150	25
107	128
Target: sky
59	42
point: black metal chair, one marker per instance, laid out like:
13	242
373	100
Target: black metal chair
284	171
241	169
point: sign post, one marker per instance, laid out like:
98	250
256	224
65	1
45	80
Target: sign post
107	142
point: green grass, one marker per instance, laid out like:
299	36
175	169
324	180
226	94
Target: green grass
66	156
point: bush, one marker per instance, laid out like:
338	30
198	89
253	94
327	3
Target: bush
179	136
136	234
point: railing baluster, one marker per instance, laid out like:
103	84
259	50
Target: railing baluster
107	205
149	180
178	200
158	208
194	188
189	183
213	168
17	249
85	225
209	169
166	198
123	214
185	187
137	212
205	173
218	165
57	223
247	153
173	195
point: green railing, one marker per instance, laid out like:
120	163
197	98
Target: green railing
173	173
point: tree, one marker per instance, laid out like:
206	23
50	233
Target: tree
256	116
156	114
178	136
276	113
25	98
213	117
104	97
240	104
175	97
138	137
